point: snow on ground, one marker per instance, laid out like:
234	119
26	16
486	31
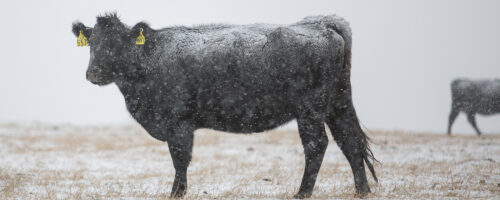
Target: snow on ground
40	161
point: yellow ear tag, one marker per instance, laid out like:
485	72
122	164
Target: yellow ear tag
140	39
82	40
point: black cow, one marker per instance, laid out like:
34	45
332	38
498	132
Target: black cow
235	78
474	97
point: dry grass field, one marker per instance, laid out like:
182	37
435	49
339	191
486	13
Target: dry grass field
39	161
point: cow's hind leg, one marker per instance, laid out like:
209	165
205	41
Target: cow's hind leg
314	140
453	115
471	117
353	142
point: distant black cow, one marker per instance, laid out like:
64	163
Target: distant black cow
243	79
474	97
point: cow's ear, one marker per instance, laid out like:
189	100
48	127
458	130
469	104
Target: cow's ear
146	41
78	26
146	30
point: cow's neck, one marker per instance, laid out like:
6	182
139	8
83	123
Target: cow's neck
127	88
129	82
135	93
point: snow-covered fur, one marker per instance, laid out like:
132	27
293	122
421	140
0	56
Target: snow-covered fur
235	78
474	97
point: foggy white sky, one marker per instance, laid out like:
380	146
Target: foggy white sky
405	53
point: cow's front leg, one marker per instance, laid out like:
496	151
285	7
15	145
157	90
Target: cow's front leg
180	144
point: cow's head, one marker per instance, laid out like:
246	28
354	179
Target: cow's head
112	48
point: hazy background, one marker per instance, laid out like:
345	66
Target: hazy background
405	53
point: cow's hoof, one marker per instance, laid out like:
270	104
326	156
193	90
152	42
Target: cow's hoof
177	195
362	191
302	195
361	194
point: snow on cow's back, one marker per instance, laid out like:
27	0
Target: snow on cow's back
201	40
482	87
209	38
323	20
491	87
461	83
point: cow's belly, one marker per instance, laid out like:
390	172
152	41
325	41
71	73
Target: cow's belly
481	106
246	115
488	109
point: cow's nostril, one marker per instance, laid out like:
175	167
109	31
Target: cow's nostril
92	77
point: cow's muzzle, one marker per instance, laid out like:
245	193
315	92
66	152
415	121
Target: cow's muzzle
92	77
95	76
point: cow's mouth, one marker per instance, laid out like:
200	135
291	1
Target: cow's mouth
98	80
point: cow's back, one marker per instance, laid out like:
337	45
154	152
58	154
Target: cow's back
265	56
476	96
205	42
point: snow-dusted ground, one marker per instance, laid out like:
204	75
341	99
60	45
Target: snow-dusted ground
39	161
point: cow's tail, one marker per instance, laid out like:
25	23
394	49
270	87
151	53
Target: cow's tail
343	103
